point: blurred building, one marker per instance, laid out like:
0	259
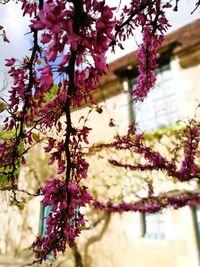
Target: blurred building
170	238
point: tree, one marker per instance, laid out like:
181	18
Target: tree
67	60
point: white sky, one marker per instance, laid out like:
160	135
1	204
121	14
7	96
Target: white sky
16	27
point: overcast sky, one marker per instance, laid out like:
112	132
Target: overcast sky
16	28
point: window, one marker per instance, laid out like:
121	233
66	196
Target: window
159	108
196	221
47	209
196	216
197	211
153	225
45	212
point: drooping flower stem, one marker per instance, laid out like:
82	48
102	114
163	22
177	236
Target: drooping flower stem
78	7
20	119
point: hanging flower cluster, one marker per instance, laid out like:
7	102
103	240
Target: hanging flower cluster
64	220
154	26
150	17
76	36
63	223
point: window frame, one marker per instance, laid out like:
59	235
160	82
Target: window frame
158	118
196	222
160	222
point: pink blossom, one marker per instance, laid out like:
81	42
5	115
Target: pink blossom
45	38
10	62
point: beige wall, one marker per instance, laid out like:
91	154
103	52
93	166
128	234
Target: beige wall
115	108
187	82
124	246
